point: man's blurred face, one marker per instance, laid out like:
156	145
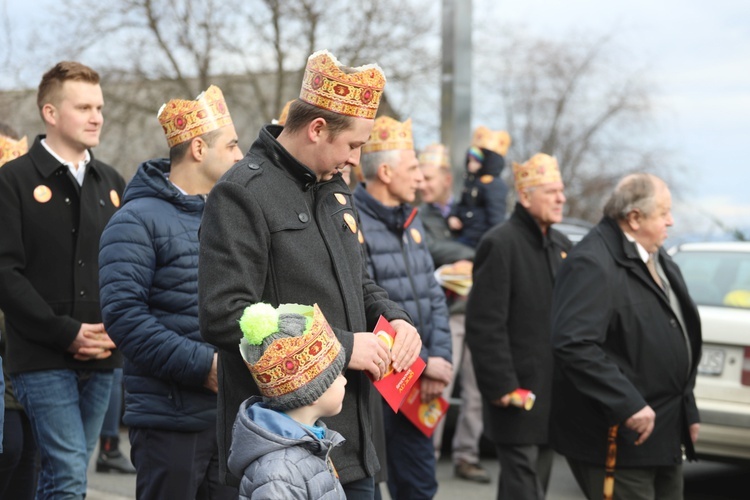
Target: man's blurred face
224	153
405	178
437	184
344	149
77	115
545	203
651	231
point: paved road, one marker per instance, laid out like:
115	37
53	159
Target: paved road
703	481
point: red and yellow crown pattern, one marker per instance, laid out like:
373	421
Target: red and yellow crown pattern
292	362
540	169
11	149
389	135
496	141
435	155
182	120
346	91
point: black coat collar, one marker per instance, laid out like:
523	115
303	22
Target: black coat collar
46	164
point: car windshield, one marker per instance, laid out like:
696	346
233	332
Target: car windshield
716	278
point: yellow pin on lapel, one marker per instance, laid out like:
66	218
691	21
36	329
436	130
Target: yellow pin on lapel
349	219
416	235
42	193
114	198
340	198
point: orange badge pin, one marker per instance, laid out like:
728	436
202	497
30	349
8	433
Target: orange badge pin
486	179
564	254
349	219
340	198
42	193
360	237
115	198
416	235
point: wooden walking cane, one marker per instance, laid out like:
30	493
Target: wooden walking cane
609	465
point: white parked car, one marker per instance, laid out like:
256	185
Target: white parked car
718	278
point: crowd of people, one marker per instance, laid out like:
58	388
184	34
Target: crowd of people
234	297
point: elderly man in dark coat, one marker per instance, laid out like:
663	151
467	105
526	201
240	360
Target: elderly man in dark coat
507	326
627	342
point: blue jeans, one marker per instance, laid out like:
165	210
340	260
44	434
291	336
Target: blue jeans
111	425
66	409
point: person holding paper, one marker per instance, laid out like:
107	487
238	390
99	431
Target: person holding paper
508	326
398	259
280	227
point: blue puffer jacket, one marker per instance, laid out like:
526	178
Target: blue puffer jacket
148	276
398	260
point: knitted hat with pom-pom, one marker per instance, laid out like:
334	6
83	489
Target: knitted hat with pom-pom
291	352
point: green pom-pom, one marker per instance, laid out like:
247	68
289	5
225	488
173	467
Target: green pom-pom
258	321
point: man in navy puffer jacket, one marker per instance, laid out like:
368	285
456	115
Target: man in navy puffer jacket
149	294
399	261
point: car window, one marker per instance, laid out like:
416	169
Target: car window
716	278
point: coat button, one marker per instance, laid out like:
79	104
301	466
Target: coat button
73	230
469	215
80	263
673	323
82	293
101	202
253	166
303	218
67	201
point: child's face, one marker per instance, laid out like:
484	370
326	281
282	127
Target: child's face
473	165
330	403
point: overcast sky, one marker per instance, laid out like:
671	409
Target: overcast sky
698	54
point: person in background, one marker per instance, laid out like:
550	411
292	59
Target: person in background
280	445
482	202
399	261
18	468
149	289
54	203
508	326
437	200
627	342
280	228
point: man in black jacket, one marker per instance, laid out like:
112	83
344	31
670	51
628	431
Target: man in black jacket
507	326
280	227
627	343
54	204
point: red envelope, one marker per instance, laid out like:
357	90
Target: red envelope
425	416
395	386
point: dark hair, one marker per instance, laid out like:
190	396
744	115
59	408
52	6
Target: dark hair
52	81
8	131
178	151
302	113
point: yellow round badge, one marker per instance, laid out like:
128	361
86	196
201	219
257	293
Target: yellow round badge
340	198
349	219
42	193
360	237
564	254
486	179
416	235
115	198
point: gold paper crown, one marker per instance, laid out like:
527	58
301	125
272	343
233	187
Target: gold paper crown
389	135
284	112
540	169
496	141
326	85
435	155
10	149
182	120
290	363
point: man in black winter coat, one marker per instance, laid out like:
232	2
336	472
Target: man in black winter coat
280	227
507	326
627	343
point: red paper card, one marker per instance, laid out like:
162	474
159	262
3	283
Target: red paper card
425	416
395	385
